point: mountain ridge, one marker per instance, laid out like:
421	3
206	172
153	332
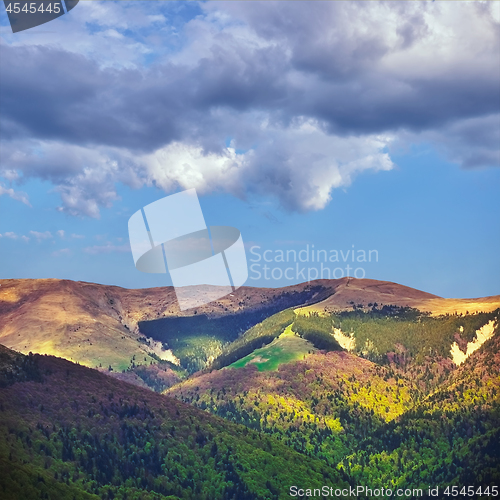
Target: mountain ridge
99	325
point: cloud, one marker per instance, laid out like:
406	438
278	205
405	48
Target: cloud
14	236
9	175
46	235
85	177
301	166
60	233
455	140
15	195
77	236
10	235
309	95
108	248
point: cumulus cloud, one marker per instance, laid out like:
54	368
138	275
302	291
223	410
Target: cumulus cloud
9	175
300	166
9	234
455	139
309	95
85	177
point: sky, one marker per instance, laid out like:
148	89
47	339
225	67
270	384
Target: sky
357	128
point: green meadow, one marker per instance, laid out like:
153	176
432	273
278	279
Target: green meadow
287	347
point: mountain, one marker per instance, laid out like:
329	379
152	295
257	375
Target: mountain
98	325
418	345
361	293
336	382
67	431
116	329
450	438
396	410
320	405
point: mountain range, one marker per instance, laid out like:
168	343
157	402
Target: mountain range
332	383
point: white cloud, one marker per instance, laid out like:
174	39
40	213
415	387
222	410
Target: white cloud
9	175
9	234
77	236
312	95
60	233
14	236
41	236
181	164
85	177
300	165
15	195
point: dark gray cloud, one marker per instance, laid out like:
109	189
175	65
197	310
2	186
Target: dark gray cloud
472	143
285	80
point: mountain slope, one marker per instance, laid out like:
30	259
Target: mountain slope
321	405
449	438
98	324
417	345
119	329
102	436
363	293
377	423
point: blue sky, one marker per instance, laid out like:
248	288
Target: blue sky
293	125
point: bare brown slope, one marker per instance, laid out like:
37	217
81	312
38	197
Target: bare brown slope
97	324
367	292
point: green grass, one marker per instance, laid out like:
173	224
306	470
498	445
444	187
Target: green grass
256	337
287	347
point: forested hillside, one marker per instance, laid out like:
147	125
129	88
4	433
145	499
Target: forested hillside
396	410
375	394
67	431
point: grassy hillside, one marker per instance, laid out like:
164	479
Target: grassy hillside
412	401
286	348
365	292
98	325
258	336
78	432
410	341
